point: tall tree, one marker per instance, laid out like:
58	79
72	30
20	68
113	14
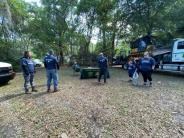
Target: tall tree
144	16
86	10
53	21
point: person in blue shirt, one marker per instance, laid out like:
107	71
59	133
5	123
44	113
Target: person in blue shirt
51	65
76	67
103	65
147	65
131	68
28	68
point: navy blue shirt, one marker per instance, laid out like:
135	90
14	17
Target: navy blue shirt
131	67
27	65
102	62
50	62
146	64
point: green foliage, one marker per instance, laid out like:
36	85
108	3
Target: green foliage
13	14
11	53
145	16
69	26
122	50
99	48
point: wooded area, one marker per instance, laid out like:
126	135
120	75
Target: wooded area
80	29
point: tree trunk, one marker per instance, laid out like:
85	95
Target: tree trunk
61	61
61	57
113	46
87	46
104	40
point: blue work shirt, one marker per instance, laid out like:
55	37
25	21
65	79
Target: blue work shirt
146	64
102	62
50	62
27	65
131	68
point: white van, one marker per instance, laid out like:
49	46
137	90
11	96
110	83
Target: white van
6	72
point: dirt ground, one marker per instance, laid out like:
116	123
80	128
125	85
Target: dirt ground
86	109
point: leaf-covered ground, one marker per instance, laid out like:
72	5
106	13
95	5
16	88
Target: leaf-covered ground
86	109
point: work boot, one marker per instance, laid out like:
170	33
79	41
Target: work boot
55	89
145	83
48	90
27	91
34	90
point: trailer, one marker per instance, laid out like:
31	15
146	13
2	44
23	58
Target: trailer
138	47
167	58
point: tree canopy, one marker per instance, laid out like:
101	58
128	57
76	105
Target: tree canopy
80	29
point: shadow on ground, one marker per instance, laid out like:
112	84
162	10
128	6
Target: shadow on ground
4	84
32	95
10	96
27	96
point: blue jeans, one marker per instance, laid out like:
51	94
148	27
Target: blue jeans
28	79
52	75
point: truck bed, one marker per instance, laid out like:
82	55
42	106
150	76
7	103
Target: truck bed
161	51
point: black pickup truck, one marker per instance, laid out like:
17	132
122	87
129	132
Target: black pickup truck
6	72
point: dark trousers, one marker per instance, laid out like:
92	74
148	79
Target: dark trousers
104	73
146	75
28	79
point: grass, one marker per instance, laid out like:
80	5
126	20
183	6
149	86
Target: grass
86	109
